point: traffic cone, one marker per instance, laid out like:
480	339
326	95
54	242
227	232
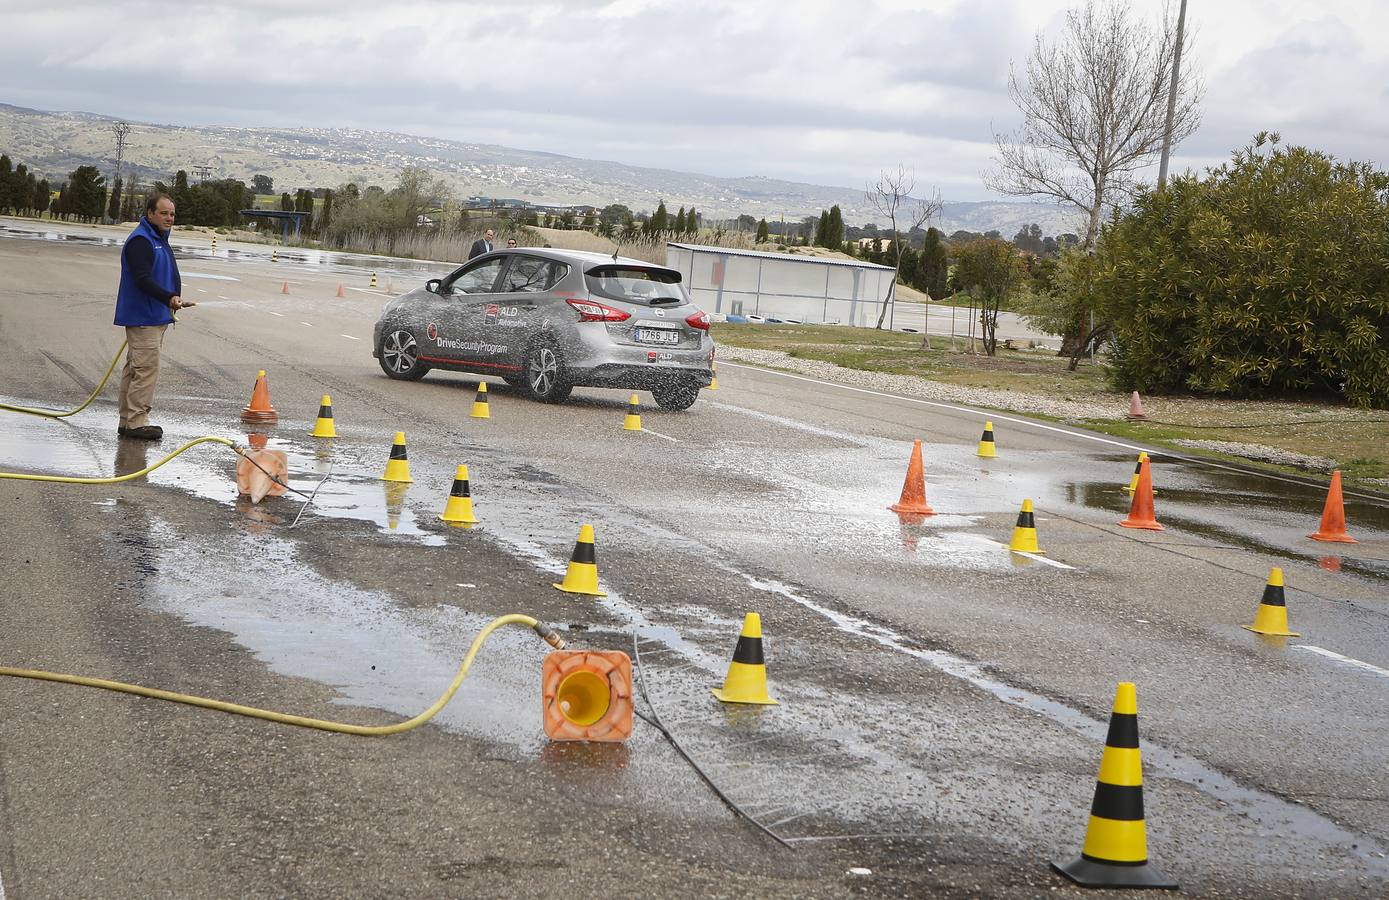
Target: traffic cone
395	503
586	695
987	450
259	409
274	255
633	420
341	293
1025	532
913	499
284	288
1115	853
1333	516
746	681
459	508
480	409
398	466
373	279
714	377
323	426
1136	407
1272	616
1137	467
582	575
261	473
214	243
1141	509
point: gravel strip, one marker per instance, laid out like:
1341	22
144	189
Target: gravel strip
1263	453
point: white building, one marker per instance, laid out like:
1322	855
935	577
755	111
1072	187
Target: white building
779	286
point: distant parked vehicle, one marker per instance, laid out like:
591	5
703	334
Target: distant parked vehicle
548	321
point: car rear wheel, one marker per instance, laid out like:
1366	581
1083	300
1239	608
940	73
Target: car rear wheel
399	355
545	376
680	394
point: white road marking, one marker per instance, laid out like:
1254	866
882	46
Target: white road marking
659	435
1041	559
201	291
2	889
369	291
273	313
307	324
1346	660
999	417
220	297
349	337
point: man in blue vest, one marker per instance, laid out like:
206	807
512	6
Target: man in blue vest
145	305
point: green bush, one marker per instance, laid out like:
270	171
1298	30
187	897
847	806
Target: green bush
1270	275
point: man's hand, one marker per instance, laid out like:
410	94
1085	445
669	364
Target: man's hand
176	303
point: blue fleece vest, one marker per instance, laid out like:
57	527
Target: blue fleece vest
134	306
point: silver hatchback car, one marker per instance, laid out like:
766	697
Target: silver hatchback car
548	321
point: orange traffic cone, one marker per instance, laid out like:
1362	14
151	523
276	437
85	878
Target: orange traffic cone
913	498
284	288
1136	407
1141	509
340	291
1333	516
259	409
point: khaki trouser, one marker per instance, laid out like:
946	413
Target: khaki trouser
141	373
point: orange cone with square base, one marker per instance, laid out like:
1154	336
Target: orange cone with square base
341	293
586	695
259	409
1115	853
262	473
1136	407
1272	617
398	466
1333	516
913	498
746	681
480	408
458	510
1141	513
284	288
582	575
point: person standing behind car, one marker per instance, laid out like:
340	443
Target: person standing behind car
482	245
145	304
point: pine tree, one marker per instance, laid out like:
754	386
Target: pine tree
39	203
113	209
834	232
691	222
181	195
7	198
680	221
660	219
822	230
325	215
286	201
762	235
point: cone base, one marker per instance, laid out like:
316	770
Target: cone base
257	415
324	433
913	509
456	520
1088	873
480	414
570	590
1273	633
987	453
729	698
1147	526
1034	551
631	426
1341	538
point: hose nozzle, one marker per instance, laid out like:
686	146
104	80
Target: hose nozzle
550	635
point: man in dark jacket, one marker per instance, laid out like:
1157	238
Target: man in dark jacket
482	245
145	306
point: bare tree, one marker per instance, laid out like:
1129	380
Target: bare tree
891	196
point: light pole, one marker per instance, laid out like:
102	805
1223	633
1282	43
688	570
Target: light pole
1172	98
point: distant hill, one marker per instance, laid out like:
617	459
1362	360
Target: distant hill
55	143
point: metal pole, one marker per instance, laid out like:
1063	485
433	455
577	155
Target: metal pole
1172	98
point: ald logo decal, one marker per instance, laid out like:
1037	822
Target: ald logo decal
504	315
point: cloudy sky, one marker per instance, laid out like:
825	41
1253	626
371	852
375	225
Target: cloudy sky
825	92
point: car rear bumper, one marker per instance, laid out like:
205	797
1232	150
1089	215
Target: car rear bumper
635	377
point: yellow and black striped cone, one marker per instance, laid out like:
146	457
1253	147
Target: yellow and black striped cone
713	377
1025	532
987	450
1137	467
373	279
480	408
633	420
1272	617
274	255
459	508
323	427
1115	853
582	575
398	466
746	681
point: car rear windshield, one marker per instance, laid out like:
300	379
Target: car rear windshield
632	284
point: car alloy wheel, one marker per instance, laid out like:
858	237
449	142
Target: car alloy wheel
545	374
400	356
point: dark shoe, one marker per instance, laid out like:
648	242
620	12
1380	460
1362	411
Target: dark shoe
142	433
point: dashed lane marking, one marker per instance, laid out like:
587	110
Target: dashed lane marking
997	417
1322	651
273	313
659	435
350	337
307	324
1041	559
201	291
220	297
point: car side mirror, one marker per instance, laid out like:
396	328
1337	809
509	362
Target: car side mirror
432	285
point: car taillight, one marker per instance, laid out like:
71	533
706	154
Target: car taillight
699	319
597	312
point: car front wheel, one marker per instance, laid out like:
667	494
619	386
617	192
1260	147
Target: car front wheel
676	394
399	354
545	377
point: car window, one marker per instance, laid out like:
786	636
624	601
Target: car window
529	274
477	280
652	287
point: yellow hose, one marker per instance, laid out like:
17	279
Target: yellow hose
116	478
54	414
303	721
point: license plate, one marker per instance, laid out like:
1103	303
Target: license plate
657	336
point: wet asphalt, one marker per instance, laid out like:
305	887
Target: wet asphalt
943	702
